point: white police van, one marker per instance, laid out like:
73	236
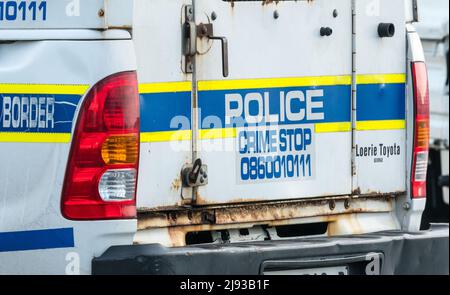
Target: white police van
214	137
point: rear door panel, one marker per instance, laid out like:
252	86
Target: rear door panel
271	58
274	60
380	135
165	97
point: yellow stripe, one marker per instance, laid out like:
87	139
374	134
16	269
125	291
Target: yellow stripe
186	86
380	125
333	127
184	135
181	135
165	87
273	83
381	79
178	135
25	137
43	89
218	133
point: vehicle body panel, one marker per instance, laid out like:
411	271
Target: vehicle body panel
380	105
52	76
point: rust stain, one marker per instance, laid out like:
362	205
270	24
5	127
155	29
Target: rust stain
343	224
177	237
261	212
267	2
356	191
202	201
337	225
176	184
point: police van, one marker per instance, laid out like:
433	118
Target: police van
214	137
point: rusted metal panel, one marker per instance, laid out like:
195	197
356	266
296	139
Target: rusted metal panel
354	222
344	215
263	212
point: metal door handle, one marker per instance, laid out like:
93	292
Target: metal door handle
206	30
224	42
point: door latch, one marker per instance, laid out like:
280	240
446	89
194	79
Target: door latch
190	33
195	174
207	31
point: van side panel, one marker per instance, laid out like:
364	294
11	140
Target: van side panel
42	85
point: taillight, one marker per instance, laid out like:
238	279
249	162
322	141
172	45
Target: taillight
421	130
101	175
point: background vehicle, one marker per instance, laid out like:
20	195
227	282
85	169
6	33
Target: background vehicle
287	136
433	30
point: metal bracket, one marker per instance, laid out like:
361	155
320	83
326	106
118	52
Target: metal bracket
190	32
189	38
415	10
194	175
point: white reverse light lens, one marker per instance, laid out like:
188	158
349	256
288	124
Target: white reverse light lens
421	166
117	185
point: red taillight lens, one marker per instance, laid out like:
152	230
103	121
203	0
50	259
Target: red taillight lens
421	130
101	176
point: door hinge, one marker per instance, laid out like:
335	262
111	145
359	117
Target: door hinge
189	38
190	33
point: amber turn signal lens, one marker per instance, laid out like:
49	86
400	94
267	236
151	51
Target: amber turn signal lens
120	149
423	133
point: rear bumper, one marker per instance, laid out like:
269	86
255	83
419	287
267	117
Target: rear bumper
425	252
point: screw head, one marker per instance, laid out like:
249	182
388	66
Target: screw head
347	204
335	13
101	13
276	14
213	16
332	204
406	206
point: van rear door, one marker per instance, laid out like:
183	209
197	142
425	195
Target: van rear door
272	114
380	102
279	125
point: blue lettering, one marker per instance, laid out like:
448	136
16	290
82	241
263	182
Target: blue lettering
242	139
23	10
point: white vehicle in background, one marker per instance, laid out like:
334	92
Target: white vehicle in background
214	137
433	30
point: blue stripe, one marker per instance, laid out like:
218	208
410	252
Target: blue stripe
374	102
381	102
158	110
37	239
336	103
